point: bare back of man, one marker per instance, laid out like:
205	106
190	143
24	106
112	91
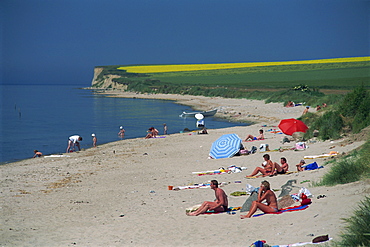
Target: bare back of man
219	205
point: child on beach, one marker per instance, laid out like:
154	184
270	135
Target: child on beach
94	139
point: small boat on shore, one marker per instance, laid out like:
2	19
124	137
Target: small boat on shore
204	113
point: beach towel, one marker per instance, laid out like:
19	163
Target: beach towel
197	186
255	140
288	209
299	244
195	207
230	209
216	172
332	153
230	169
312	166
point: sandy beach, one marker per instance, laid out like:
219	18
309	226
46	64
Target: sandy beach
117	194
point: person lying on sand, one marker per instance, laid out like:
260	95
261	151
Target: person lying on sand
254	138
268	167
290	104
219	205
280	169
299	166
264	193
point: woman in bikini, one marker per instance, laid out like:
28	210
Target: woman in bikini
264	193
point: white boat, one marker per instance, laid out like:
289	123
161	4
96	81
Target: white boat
204	113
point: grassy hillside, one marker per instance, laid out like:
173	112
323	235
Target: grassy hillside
346	74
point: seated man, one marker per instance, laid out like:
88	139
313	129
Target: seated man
280	169
253	138
264	193
219	205
267	169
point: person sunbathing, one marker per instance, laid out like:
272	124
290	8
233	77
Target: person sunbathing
264	193
277	169
290	104
300	167
267	169
254	138
219	205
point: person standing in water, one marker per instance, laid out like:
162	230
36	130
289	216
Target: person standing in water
121	132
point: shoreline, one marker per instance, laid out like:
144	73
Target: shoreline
117	194
229	109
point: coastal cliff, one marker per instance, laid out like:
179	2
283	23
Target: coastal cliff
103	80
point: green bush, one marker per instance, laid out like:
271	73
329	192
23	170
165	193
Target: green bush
355	106
357	230
329	125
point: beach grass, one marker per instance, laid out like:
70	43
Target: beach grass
357	229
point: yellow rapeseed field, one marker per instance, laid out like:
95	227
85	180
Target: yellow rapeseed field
194	67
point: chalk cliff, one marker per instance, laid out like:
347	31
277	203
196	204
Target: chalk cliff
106	81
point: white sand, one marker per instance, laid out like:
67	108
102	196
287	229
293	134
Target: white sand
116	194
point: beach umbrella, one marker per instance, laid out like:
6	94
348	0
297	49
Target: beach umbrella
226	146
291	125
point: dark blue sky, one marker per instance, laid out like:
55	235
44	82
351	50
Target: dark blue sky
55	41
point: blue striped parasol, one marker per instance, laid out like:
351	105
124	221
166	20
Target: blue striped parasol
226	146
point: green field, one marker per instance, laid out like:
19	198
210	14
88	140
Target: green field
343	76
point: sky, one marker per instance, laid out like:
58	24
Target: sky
61	41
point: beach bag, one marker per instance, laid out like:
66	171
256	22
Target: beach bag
320	239
311	166
300	145
264	147
250	188
253	149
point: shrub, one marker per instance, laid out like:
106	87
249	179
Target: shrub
330	125
357	230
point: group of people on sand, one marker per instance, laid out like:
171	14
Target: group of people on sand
220	204
270	168
153	132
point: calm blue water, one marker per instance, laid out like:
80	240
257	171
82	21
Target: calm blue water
42	117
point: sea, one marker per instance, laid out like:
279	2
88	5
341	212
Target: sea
42	117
